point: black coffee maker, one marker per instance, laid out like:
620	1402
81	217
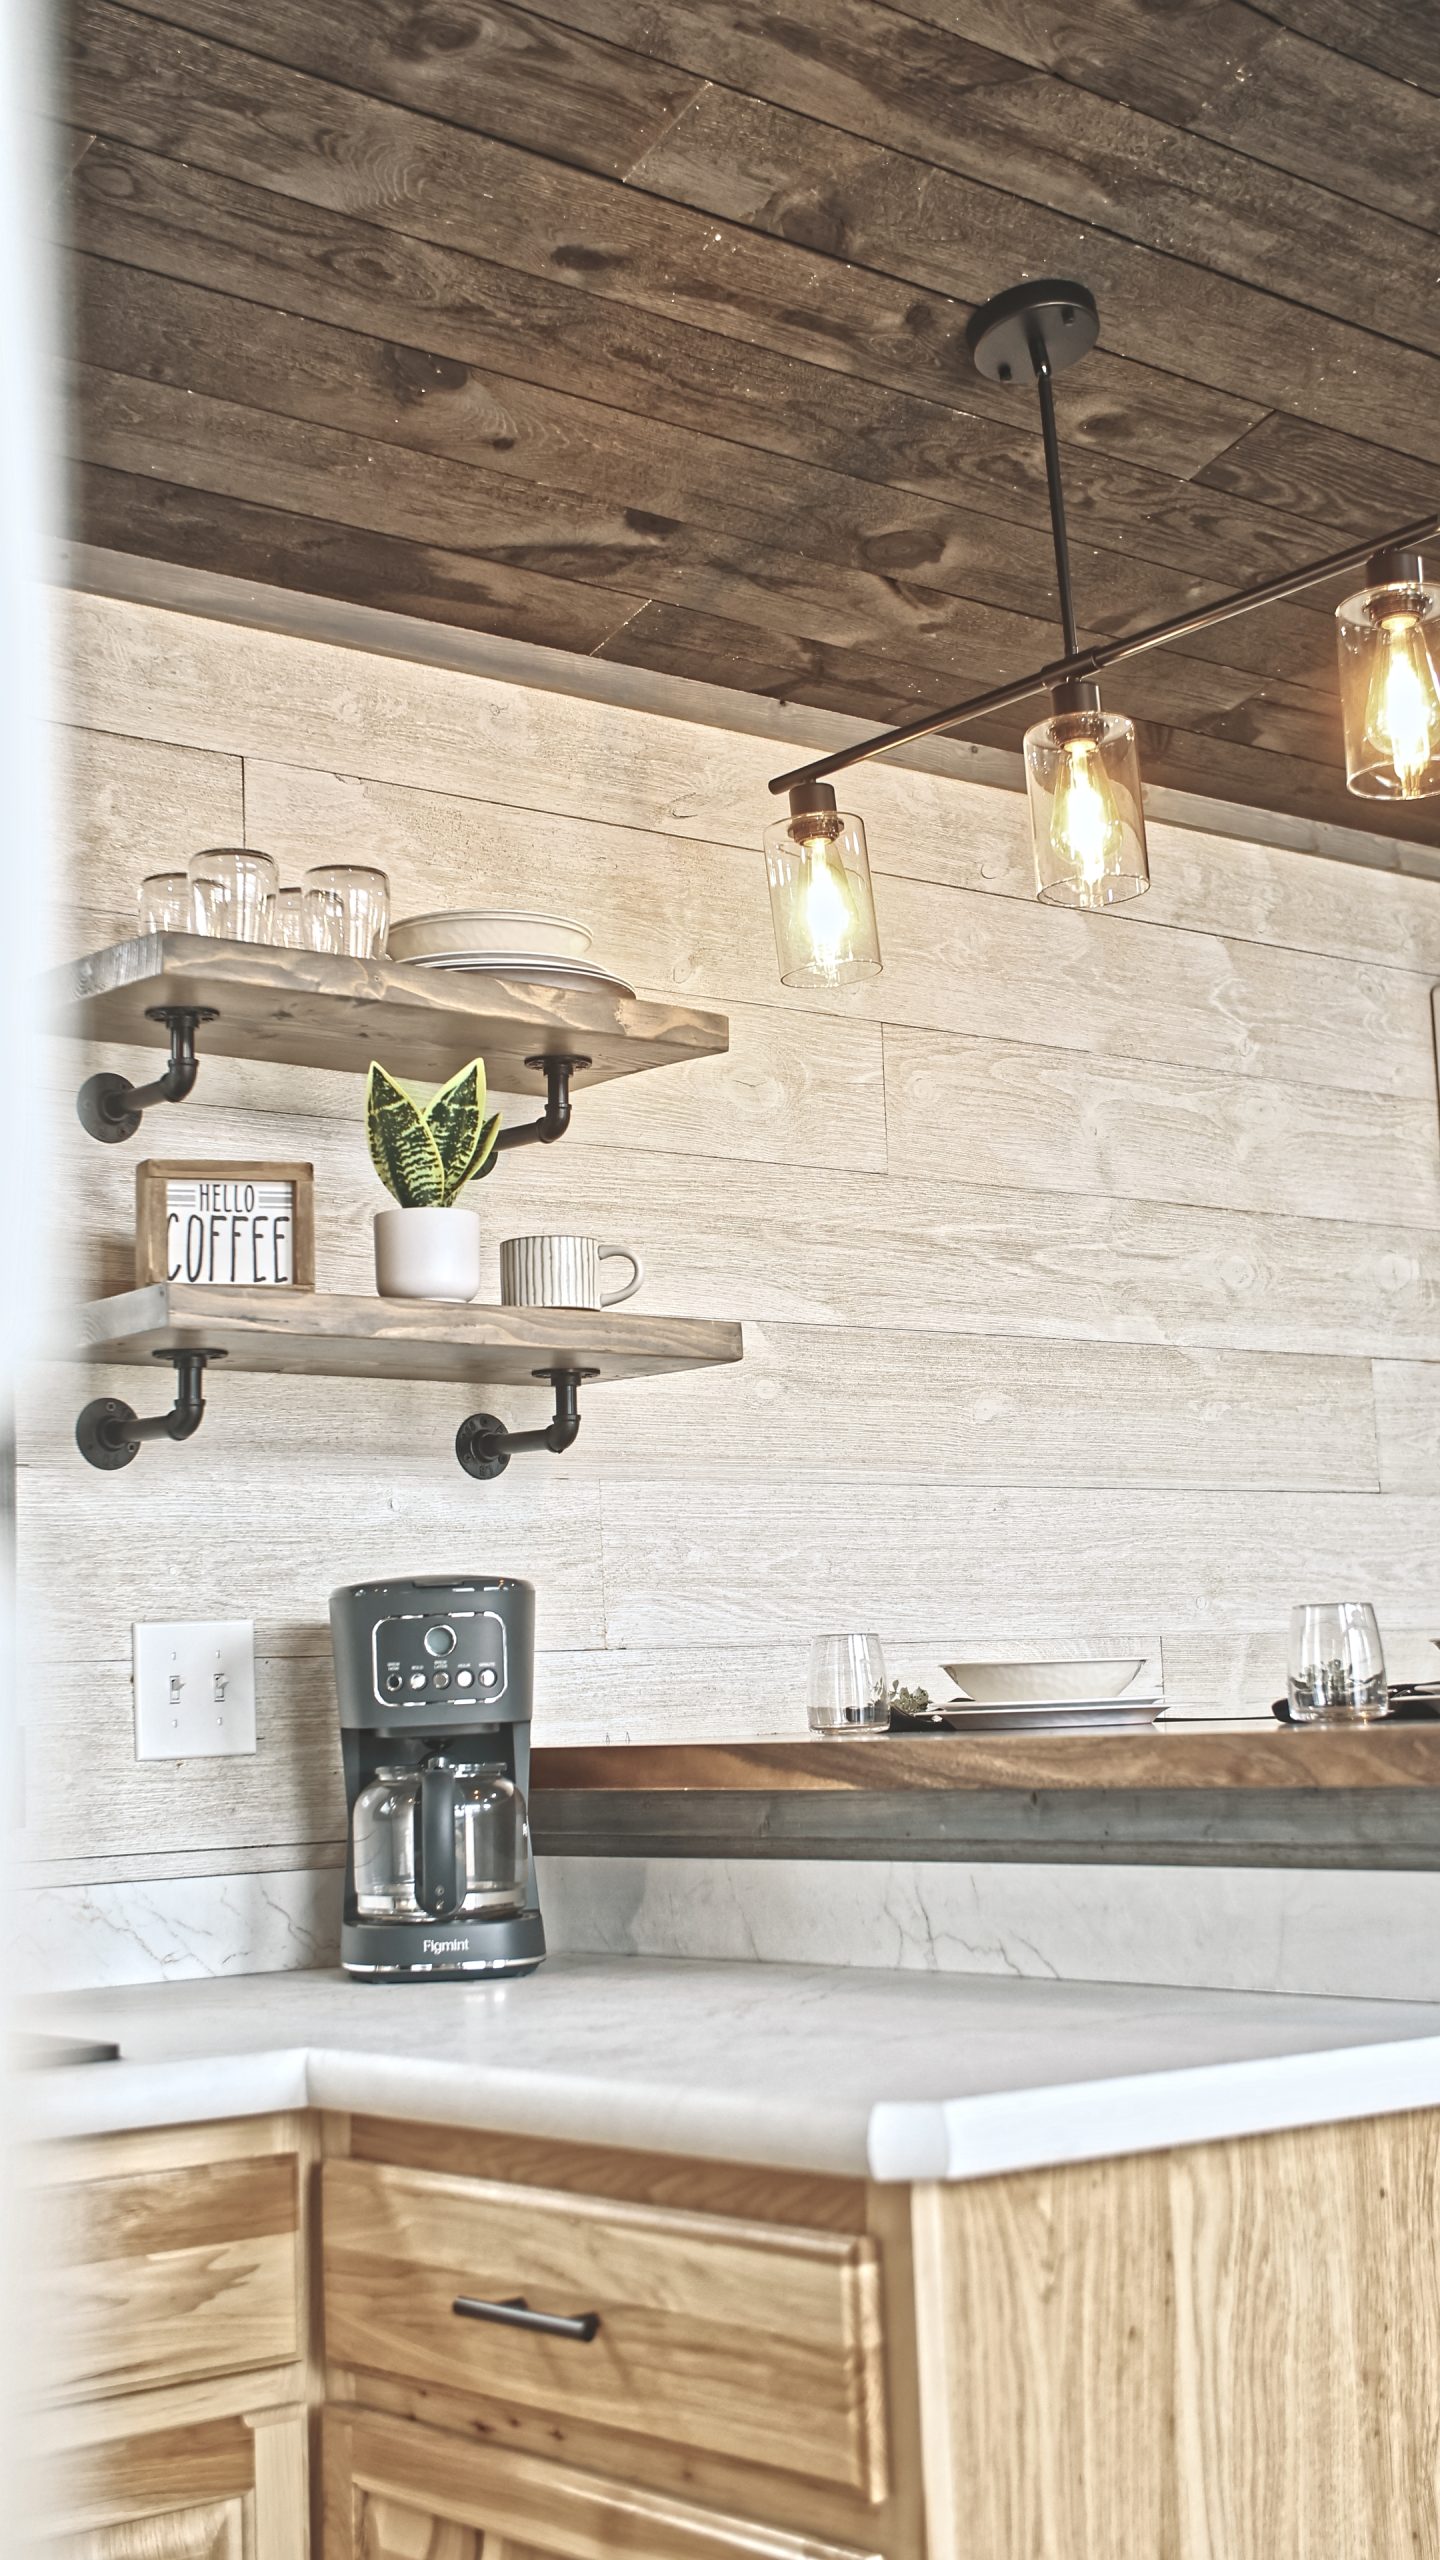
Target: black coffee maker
435	1679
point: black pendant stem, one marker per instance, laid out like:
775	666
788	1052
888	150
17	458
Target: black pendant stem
109	1432
1045	390
554	1120
485	1448
110	1107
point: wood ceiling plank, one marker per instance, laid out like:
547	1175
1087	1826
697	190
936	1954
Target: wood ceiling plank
1230	71
128	321
1401	37
191	99
1288	464
793	179
936	97
159	520
197	226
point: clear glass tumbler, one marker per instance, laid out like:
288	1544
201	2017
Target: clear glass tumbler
847	1685
348	909
292	925
1337	1666
233	894
164	905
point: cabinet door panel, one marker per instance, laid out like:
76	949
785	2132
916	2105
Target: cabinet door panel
394	2491
182	2533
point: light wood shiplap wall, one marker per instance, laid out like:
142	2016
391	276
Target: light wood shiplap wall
1089	1267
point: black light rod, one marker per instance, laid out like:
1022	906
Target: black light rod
1044	384
1091	662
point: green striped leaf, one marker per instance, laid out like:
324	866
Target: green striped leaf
402	1149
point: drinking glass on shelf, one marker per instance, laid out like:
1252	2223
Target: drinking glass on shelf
164	905
347	907
233	894
847	1685
292	925
1337	1667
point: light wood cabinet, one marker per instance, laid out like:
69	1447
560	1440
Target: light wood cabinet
399	2492
175	2424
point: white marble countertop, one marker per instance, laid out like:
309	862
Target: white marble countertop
901	2075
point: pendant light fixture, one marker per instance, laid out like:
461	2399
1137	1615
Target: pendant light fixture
1389	690
821	901
1082	771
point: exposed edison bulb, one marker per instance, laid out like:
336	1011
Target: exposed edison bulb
820	898
1402	705
1085	829
829	917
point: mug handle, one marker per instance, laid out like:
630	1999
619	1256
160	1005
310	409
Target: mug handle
622	1253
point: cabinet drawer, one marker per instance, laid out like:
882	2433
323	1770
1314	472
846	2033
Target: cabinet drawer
172	2275
745	2339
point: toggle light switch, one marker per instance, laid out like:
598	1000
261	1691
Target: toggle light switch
195	1689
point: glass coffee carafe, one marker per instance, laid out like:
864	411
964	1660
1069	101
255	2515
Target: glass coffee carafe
449	1840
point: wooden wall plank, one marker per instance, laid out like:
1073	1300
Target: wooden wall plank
977	1563
988	1109
1407	1413
134	805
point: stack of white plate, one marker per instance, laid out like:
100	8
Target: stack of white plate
1047	1697
503	942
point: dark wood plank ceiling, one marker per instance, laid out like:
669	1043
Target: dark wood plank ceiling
636	327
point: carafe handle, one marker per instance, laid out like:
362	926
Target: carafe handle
436	1888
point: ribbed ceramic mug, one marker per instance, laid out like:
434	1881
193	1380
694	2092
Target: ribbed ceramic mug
562	1271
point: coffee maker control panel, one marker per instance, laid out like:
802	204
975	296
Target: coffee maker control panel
454	1661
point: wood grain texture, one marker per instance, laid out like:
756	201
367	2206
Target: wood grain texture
1162	1757
1188	2285
147	2472
301	1335
173	2275
706	2326
213	2532
395	2492
1407	1417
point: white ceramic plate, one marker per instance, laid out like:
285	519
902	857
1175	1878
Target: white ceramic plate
1094	1715
1040	1684
467	929
520	969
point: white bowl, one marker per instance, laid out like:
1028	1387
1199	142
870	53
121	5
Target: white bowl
487	929
1040	1684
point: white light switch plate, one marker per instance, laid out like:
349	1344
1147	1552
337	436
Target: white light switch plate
195	1689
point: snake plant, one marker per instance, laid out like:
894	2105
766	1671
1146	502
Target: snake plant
426	1152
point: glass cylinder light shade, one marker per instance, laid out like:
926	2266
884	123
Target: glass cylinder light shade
820	899
1083	777
1389	638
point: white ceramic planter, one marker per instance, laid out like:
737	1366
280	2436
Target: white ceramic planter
428	1253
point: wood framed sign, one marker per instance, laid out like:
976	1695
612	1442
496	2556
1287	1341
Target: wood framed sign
225	1226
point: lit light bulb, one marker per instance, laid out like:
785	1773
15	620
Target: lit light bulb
1402	706
1085	827
829	920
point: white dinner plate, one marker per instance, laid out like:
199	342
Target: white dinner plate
1095	1715
488	929
522	969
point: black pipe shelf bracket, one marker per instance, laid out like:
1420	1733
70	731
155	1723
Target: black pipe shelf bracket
109	1431
110	1107
485	1448
554	1120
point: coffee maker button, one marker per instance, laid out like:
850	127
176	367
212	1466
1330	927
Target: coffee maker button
464	1679
392	1681
439	1679
417	1679
488	1678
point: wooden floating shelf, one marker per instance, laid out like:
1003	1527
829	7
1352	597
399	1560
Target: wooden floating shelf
1265	1797
291	1332
310	1009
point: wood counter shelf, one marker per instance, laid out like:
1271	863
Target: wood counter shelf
1166	1797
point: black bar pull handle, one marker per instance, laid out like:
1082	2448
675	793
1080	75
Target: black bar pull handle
515	2313
437	1884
